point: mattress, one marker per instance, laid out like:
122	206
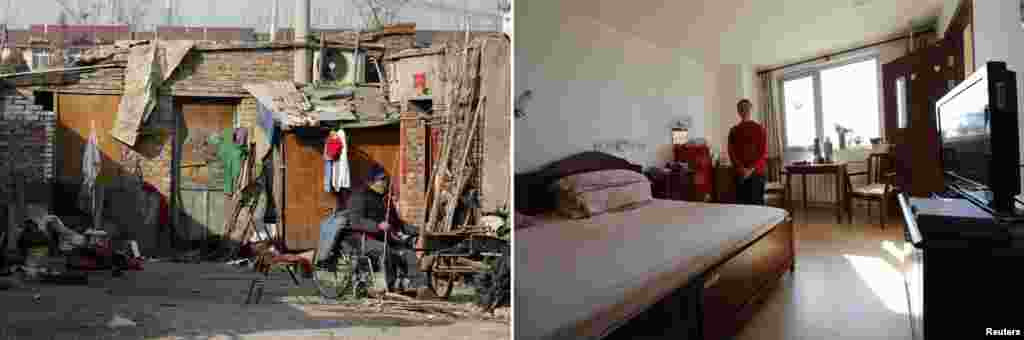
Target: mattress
581	278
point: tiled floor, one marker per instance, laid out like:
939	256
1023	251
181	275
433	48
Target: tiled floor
848	283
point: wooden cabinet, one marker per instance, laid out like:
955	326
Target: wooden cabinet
673	184
724	184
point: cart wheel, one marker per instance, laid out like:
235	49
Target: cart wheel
441	283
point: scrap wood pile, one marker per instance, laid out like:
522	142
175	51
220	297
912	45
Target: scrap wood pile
457	168
384	302
456	174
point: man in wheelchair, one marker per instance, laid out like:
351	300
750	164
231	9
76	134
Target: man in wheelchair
364	226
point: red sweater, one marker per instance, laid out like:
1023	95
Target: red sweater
748	146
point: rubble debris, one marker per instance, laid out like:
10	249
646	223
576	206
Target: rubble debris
10	283
120	321
73	278
291	107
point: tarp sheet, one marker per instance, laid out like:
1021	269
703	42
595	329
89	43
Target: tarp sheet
174	52
140	86
147	69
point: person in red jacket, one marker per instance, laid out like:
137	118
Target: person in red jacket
748	151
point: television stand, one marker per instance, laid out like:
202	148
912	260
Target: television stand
961	269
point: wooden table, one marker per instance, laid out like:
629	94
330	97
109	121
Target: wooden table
837	169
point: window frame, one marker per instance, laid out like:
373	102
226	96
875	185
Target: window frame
39	53
814	71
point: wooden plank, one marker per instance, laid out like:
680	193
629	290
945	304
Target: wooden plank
76	114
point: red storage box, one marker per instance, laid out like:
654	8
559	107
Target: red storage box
698	158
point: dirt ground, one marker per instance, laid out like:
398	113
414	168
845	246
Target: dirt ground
206	301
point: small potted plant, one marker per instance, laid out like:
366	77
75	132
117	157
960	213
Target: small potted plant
842	132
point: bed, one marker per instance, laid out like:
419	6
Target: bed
664	269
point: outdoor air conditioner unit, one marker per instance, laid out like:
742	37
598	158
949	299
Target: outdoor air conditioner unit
338	67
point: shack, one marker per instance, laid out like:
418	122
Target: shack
166	114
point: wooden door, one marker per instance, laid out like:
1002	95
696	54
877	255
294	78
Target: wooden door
925	78
374	146
201	181
76	115
306	200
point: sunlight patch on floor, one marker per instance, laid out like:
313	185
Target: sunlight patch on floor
896	251
883	279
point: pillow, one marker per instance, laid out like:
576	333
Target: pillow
595	180
594	193
524	221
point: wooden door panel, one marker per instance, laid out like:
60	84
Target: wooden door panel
76	115
202	172
928	76
306	201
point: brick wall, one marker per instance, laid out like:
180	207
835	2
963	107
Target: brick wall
412	201
222	73
33	132
154	150
247	113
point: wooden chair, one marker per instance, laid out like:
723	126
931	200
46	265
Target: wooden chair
774	188
879	187
291	260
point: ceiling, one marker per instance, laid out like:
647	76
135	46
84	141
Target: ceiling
759	32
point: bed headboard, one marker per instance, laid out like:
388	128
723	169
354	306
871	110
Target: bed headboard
531	192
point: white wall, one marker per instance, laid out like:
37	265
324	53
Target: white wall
593	84
998	36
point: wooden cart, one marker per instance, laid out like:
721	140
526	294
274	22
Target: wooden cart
447	256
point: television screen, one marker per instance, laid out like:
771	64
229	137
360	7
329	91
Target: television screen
965	132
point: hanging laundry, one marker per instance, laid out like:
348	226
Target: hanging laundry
90	170
231	155
242	136
329	161
341	167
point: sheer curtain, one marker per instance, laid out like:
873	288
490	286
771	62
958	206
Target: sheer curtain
773	122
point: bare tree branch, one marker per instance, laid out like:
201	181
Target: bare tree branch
379	13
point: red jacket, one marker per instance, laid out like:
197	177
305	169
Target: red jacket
333	147
748	146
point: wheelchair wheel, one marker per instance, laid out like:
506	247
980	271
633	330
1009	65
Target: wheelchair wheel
334	279
362	277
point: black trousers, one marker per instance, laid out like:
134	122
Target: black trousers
402	260
750	190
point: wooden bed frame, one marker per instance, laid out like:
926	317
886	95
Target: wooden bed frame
714	305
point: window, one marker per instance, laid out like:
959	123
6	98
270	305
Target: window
819	101
901	101
71	56
800	112
40	59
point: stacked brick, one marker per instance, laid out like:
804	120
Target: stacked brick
27	135
222	73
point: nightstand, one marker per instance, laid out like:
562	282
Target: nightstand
672	184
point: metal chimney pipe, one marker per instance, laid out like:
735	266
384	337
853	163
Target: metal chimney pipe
274	20
170	12
302	58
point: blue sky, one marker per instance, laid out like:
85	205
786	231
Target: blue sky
428	14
